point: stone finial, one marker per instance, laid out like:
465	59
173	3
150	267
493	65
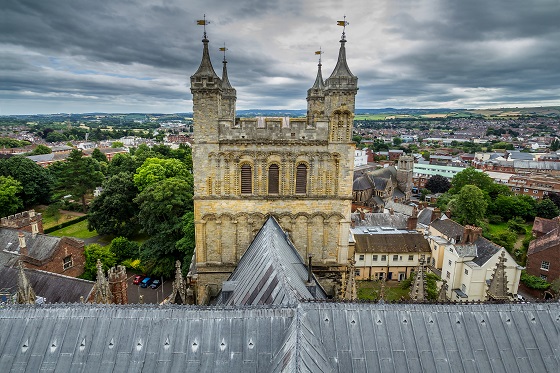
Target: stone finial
418	288
25	293
101	290
382	292
179	293
498	289
350	286
442	297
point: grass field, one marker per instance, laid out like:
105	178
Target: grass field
369	290
370	117
78	230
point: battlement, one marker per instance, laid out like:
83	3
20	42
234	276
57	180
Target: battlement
118	285
272	128
24	220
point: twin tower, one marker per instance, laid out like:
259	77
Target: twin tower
298	170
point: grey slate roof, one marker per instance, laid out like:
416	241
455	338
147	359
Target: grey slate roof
380	219
53	287
308	337
39	246
425	216
270	272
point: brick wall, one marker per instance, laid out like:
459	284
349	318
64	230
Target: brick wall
55	264
550	255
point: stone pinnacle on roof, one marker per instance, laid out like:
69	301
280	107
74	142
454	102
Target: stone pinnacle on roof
205	69
179	294
418	288
442	297
25	293
341	76
498	289
226	85
101	290
319	84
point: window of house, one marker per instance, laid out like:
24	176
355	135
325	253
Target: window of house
525	190
301	179
67	262
545	265
535	191
464	288
433	261
411	257
246	179
466	271
395	257
544	277
374	258
361	257
357	272
448	275
449	262
383	258
273	179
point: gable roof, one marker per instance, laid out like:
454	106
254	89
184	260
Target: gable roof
391	242
308	337
545	242
270	272
380	219
55	288
543	226
39	246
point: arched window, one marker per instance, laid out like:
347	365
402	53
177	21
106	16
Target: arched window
246	179
301	179
273	179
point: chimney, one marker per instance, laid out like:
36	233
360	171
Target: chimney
467	234
448	213
436	214
22	244
412	221
391	211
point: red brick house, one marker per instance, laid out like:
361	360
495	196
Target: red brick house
21	235
543	256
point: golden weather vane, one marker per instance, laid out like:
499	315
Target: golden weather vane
203	22
343	23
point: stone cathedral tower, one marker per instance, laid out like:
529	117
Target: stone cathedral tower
298	170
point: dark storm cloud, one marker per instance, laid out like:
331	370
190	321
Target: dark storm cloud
112	54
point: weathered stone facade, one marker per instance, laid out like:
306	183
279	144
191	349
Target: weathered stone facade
297	169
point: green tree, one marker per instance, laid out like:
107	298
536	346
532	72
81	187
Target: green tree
10	203
470	205
114	210
55	137
122	163
98	155
78	175
187	244
37	182
505	238
117	144
509	207
123	248
471	176
53	211
154	170
397	141
438	184
357	139
426	155
93	252
555	145
161	211
545	208
40	149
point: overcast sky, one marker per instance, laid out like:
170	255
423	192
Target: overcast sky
78	56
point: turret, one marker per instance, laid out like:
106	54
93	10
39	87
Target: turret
340	96
229	95
316	98
206	88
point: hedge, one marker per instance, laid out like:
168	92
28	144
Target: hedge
65	224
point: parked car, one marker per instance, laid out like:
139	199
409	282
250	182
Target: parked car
155	284
138	279
146	282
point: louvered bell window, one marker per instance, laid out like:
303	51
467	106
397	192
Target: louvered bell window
246	179
273	179
301	179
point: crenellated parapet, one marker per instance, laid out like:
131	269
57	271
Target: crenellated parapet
29	221
271	129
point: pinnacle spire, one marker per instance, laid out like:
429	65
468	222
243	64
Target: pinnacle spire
341	76
205	69
498	290
319	84
179	294
226	85
101	291
25	293
418	288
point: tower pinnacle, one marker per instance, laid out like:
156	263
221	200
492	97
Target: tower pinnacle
205	76
342	77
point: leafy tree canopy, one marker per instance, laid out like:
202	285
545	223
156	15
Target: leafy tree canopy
114	210
37	182
471	176
93	252
122	163
545	208
470	205
117	144
123	248
509	207
154	170
40	149
98	155
10	203
438	184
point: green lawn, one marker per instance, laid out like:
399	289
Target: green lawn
369	290
78	230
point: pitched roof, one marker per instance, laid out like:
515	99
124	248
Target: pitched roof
543	226
381	219
391	242
53	287
309	337
549	240
39	246
270	272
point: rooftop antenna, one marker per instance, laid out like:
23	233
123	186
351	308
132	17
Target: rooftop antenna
203	22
